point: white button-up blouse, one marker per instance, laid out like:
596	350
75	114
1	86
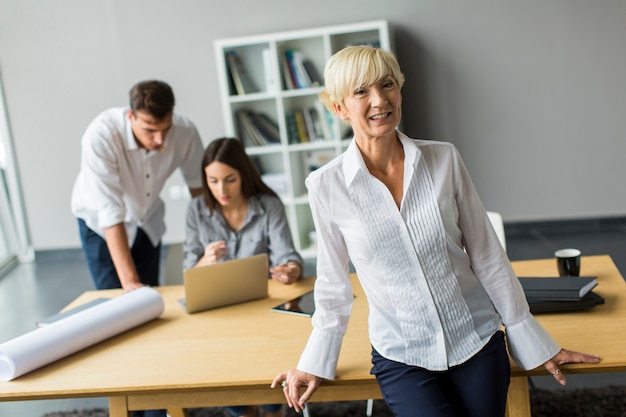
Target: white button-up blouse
436	277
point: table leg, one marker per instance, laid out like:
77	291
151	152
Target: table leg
518	400
118	407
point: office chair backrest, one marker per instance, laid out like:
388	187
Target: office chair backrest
498	225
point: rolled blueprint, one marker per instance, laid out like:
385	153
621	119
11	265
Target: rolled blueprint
71	334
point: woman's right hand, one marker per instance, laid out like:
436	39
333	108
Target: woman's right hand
213	253
292	381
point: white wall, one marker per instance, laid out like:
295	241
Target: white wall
532	92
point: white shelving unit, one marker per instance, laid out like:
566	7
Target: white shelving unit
286	164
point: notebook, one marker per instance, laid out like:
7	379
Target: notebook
225	283
590	300
557	288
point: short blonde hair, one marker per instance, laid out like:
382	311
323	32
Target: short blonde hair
356	66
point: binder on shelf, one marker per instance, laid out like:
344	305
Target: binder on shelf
557	288
242	82
268	68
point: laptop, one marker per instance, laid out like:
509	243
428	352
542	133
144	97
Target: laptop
225	283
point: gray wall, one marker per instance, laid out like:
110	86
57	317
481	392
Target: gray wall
532	92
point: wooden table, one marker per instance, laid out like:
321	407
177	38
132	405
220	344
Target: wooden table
600	330
230	355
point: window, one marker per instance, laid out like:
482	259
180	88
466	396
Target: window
14	239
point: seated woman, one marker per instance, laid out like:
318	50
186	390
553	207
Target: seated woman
238	216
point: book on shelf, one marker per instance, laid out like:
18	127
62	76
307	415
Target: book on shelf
288	75
314	76
292	128
266	126
256	129
557	288
299	71
307	125
303	133
325	120
237	70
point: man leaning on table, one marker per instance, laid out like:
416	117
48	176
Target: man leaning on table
127	155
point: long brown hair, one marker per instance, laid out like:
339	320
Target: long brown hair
231	152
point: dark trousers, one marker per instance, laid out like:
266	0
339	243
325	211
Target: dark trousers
476	388
147	258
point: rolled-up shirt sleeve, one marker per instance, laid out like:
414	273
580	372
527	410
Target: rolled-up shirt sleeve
102	169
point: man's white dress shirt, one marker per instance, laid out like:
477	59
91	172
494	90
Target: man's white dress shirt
120	182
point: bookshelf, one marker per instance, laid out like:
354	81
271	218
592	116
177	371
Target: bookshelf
269	86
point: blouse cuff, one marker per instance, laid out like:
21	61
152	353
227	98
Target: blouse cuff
321	354
529	344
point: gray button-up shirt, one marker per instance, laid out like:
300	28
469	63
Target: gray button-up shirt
265	230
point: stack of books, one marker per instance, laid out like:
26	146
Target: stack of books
309	124
555	294
256	129
299	72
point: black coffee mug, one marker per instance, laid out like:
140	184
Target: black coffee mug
568	262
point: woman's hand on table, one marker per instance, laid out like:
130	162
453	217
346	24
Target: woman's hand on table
291	382
567	356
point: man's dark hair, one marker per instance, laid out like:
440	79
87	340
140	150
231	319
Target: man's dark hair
153	97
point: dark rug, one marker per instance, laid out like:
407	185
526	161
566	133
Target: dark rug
596	402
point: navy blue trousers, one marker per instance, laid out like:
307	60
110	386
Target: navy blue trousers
147	258
476	388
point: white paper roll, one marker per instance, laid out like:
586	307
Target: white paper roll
71	334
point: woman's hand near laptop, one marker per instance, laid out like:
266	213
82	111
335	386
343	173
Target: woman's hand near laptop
286	273
213	253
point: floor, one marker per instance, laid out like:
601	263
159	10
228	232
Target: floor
32	291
